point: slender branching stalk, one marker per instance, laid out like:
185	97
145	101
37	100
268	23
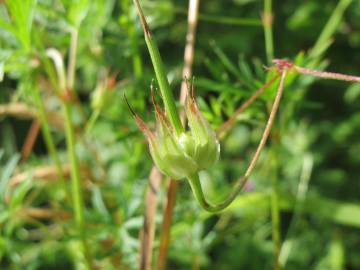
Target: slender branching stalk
228	124
327	75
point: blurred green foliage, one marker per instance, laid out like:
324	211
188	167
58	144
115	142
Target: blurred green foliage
313	151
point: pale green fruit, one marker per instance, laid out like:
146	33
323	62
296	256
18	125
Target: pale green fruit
180	156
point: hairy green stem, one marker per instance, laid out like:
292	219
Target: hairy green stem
268	30
167	95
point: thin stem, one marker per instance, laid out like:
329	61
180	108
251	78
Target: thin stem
327	75
267	19
329	29
167	95
269	124
194	180
224	128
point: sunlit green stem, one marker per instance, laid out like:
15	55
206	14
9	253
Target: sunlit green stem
168	98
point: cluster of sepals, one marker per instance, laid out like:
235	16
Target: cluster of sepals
181	155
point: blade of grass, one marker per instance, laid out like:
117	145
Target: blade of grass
329	29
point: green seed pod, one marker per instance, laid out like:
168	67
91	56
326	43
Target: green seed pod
206	150
180	156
